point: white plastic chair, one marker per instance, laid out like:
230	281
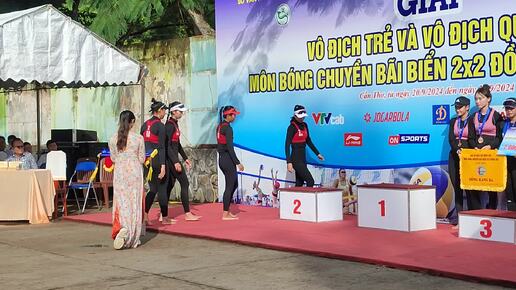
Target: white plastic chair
56	163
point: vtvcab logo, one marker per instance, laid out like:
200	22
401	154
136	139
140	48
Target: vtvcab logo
327	119
409	139
426	8
441	114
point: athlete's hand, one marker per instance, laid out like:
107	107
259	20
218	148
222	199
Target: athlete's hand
188	164
487	147
162	172
178	167
320	157
240	167
290	168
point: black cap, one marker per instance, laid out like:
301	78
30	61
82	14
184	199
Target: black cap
510	102
299	111
461	101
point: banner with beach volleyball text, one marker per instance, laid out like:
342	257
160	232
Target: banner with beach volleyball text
378	79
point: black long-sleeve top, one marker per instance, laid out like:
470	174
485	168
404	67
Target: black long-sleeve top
291	130
227	131
454	143
489	140
174	148
157	129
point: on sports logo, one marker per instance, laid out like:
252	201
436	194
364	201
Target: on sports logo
409	139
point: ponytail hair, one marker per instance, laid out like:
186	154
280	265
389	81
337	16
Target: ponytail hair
124	125
156	105
486	91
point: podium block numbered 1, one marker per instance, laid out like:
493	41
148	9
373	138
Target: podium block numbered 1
310	204
396	207
488	225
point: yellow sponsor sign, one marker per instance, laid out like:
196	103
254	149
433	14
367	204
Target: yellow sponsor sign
482	170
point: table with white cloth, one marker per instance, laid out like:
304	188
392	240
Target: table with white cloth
26	195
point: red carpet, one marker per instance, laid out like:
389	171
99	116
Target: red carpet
438	252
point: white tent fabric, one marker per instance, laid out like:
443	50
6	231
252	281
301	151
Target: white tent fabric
43	45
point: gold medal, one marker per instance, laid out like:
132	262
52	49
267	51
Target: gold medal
480	140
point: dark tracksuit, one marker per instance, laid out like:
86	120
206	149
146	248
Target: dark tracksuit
155	138
466	141
227	161
173	151
492	135
297	138
510	189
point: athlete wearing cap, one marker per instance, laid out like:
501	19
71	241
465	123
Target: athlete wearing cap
510	190
297	138
488	135
228	161
154	135
175	167
459	136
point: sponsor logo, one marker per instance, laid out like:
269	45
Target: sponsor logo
481	170
327	119
440	114
425	8
283	14
409	139
353	139
388	117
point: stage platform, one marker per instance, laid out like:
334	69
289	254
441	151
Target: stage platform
439	252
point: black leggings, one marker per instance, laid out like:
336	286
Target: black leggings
475	202
453	168
230	174
183	181
302	173
158	186
510	190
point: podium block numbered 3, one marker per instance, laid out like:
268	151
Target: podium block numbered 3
310	204
488	225
396	207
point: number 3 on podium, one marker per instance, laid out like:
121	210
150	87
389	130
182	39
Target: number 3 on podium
487	232
382	207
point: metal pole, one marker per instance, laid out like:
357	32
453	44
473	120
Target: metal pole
142	105
38	116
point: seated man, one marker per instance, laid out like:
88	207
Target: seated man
3	145
19	154
51	146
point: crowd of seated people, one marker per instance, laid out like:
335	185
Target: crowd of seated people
14	149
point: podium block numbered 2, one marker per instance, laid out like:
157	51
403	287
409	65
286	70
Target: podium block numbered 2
488	225
310	204
396	207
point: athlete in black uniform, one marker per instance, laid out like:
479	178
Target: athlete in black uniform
175	168
297	138
510	123
228	160
154	135
460	135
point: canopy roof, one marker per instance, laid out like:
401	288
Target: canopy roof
42	45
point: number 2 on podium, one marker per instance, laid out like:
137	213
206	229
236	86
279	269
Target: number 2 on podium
382	207
297	204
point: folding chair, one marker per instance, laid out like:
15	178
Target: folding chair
85	174
56	163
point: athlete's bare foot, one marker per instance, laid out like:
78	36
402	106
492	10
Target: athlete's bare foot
147	220
168	221
233	215
191	217
227	216
455	227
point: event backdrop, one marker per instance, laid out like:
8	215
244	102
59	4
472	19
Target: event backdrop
377	77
